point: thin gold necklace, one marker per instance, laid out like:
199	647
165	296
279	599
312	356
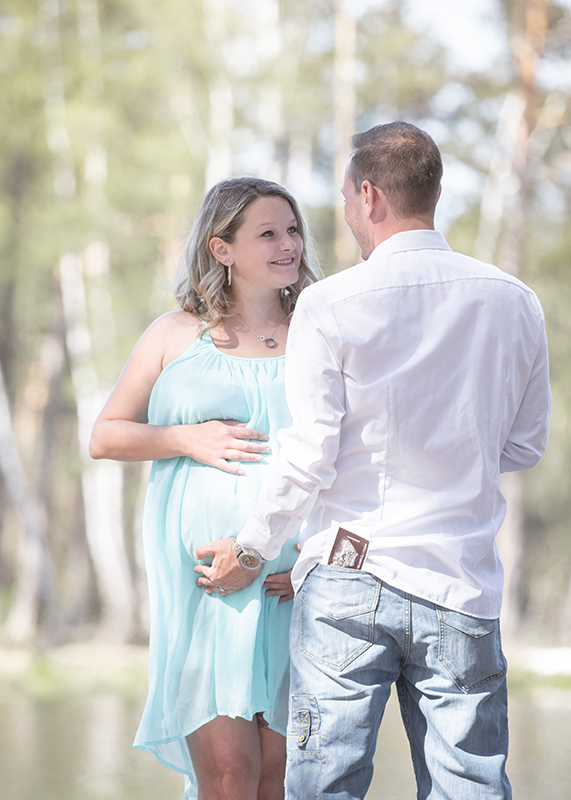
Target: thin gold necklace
269	341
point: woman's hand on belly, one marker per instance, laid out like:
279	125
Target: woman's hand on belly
220	442
279	585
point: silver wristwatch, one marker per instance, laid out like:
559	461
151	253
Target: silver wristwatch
249	559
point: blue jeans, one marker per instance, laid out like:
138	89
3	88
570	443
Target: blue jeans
352	637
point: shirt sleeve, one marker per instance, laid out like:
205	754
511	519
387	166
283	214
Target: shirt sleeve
315	394
527	438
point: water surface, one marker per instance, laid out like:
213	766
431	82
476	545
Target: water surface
79	748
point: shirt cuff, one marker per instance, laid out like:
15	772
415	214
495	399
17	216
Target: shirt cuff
254	536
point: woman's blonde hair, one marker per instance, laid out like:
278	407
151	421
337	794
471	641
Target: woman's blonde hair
201	285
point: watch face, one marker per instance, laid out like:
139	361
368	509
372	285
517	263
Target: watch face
249	561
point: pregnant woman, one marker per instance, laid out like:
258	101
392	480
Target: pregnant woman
202	395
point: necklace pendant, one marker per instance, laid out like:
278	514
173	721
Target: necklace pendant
269	341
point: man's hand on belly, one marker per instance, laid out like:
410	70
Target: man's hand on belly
225	576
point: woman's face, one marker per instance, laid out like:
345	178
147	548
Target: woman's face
266	251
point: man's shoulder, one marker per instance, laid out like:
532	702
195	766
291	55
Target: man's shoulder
470	268
389	270
340	284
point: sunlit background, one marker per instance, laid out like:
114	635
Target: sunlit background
115	117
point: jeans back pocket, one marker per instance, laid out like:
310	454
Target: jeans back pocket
470	649
337	615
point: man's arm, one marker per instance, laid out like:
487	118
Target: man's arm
527	438
306	463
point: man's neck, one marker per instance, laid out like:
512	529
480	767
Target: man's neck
389	227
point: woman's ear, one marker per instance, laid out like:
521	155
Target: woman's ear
219	249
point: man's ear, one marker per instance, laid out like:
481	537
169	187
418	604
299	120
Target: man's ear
219	249
375	204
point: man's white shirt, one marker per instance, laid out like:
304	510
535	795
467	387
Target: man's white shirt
412	379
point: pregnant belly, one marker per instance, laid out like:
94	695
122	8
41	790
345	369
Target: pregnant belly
190	504
217	504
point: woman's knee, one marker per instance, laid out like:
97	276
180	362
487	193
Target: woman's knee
226	758
237	779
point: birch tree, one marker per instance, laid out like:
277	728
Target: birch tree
270	92
511	169
113	113
102	481
219	157
345	121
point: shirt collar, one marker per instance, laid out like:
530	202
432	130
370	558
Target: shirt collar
411	240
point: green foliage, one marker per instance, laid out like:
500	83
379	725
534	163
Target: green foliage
108	127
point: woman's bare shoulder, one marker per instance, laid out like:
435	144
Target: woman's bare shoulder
171	325
172	333
173	322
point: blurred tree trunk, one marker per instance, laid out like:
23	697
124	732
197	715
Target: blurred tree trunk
494	208
34	585
344	105
528	29
221	121
35	427
14	184
53	364
141	588
102	481
269	91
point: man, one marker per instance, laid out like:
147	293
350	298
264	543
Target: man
413	380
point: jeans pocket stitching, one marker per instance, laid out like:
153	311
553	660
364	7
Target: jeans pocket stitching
338	667
354	654
340	616
369	608
445	660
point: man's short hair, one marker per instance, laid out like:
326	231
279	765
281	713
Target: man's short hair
401	160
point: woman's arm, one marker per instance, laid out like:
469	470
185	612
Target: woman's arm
121	431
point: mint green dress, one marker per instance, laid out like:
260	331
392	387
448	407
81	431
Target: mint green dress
210	655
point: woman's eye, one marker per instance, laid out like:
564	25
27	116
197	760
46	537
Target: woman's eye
293	229
268	233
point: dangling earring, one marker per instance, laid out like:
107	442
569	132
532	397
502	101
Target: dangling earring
229	265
